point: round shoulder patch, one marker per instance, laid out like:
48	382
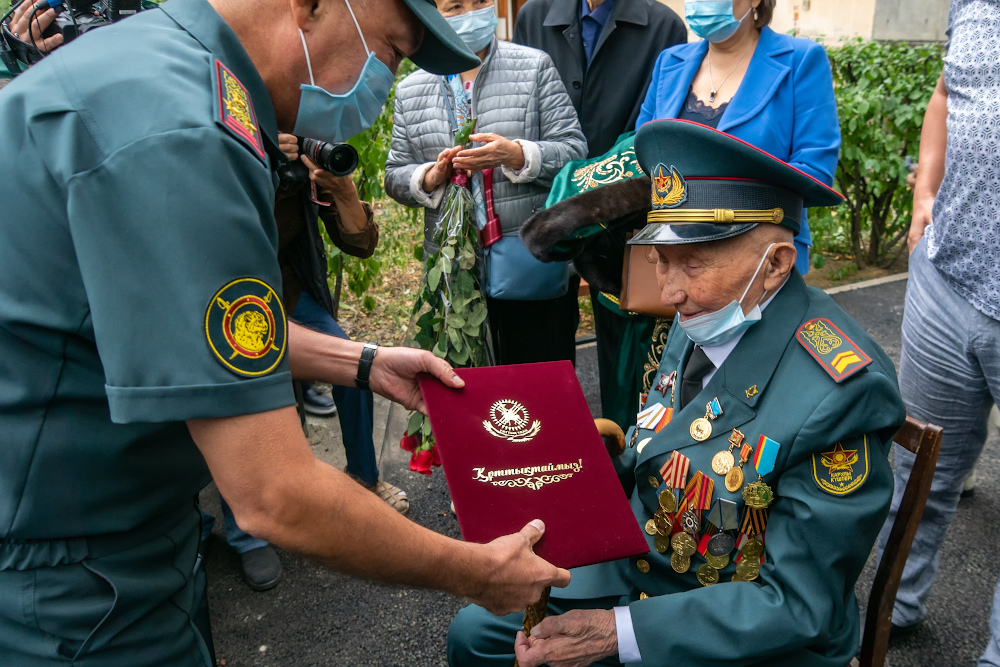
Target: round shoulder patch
246	328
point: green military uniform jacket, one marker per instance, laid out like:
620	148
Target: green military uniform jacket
139	288
801	610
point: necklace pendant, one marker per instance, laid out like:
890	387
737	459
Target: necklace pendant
711	96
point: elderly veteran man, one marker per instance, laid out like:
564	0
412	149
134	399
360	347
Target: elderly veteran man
759	468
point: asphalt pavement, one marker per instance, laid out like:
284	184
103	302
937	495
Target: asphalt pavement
318	617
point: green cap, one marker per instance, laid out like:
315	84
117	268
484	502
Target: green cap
442	51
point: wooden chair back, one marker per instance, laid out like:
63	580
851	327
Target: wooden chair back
924	440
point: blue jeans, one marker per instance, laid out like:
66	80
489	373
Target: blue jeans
355	407
240	542
949	374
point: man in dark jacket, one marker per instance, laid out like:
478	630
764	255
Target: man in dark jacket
604	51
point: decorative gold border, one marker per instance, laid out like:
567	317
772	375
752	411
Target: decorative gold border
688	216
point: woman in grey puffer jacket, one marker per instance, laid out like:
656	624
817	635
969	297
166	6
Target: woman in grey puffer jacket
527	129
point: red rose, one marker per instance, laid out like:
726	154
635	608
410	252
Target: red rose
410	443
437	459
421	461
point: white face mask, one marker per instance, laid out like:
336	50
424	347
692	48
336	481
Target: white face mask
726	323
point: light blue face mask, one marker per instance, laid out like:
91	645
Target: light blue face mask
712	20
475	28
336	118
726	323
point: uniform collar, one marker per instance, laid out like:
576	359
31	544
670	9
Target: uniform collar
202	22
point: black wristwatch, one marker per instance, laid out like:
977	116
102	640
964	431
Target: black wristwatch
365	366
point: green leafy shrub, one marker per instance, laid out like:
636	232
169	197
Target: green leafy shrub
882	91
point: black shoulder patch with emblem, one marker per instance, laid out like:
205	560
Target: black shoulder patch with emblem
234	110
841	471
246	328
832	349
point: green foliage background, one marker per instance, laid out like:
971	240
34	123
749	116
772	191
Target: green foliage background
882	91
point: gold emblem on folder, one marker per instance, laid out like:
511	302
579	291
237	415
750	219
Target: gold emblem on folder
510	420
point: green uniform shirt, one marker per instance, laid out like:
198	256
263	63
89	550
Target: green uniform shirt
820	528
138	270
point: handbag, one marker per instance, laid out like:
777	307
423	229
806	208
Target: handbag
640	292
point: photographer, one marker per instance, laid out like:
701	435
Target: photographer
19	22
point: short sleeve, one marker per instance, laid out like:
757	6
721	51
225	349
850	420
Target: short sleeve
176	244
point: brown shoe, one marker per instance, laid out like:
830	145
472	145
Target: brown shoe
393	496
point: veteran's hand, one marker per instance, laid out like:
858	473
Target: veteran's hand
394	375
577	638
516	577
39	23
496	152
289	145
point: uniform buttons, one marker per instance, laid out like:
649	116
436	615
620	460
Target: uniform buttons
576	84
642	565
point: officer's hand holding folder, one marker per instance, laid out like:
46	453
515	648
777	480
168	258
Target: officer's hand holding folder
519	443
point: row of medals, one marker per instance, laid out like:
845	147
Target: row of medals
757	495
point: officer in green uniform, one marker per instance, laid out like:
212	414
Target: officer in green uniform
142	336
759	470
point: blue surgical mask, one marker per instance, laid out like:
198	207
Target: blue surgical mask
475	28
336	118
726	323
712	20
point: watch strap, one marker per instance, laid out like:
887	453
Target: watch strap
365	366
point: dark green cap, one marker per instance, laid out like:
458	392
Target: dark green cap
442	51
707	185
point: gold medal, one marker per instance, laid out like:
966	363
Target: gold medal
718	562
662	523
642	565
734	479
736	577
651	527
668	501
684	545
661	543
752	549
653	482
748	570
701	429
679	563
707	575
723	462
758	495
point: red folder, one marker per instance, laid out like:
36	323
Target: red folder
519	443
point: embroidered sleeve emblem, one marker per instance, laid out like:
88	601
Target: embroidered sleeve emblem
245	327
841	471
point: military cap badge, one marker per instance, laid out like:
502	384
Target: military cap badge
669	187
245	326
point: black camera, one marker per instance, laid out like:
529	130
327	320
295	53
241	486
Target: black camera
73	18
338	159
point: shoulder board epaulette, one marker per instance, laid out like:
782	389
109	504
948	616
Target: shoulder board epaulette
234	110
832	349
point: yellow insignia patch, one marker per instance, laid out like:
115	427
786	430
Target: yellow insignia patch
752	391
835	352
235	109
841	471
669	187
246	328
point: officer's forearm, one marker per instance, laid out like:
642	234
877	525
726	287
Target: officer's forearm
280	492
316	356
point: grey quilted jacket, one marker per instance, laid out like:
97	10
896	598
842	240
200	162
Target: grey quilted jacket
517	94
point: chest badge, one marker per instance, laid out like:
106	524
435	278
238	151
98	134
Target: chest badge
245	326
701	428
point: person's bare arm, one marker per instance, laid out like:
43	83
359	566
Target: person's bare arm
933	146
317	356
281	493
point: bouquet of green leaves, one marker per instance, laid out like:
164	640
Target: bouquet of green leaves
450	310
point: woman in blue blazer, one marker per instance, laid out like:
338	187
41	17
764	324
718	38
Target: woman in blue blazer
770	90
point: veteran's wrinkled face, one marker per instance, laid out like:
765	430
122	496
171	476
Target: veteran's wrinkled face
701	278
449	8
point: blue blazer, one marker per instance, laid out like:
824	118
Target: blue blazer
784	105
